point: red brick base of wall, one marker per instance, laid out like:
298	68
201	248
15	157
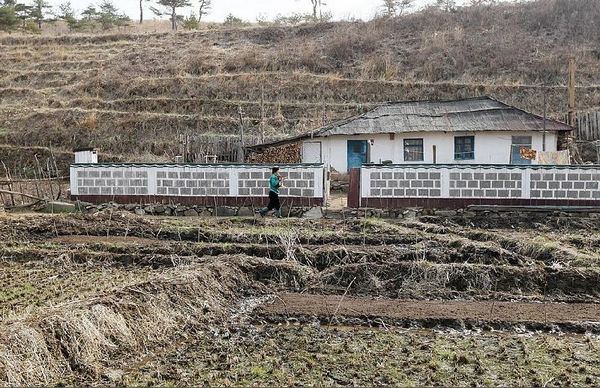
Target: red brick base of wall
448	203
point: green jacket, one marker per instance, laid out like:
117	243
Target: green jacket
274	183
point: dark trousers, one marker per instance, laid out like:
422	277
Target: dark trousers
273	201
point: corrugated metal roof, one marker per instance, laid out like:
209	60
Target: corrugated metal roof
466	115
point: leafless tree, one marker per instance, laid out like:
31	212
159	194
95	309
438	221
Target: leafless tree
317	8
142	11
321	4
390	7
204	8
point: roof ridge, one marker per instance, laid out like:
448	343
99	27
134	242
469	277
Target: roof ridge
484	97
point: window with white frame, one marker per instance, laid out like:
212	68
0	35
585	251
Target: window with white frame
413	150
464	148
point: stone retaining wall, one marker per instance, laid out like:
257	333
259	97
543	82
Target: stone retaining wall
178	210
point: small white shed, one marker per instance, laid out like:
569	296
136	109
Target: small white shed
85	156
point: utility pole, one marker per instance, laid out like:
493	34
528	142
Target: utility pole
571	87
572	117
262	113
241	152
545	114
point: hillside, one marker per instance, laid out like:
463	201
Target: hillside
131	95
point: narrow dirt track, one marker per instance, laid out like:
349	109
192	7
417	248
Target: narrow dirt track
129	240
333	305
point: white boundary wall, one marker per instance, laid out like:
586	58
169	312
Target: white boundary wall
306	181
483	182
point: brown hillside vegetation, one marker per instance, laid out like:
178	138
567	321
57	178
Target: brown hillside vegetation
131	94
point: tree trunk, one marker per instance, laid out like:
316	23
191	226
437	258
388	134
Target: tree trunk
173	19
141	12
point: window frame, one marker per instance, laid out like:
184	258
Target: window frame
516	143
408	147
461	155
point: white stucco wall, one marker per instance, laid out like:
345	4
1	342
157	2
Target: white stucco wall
490	147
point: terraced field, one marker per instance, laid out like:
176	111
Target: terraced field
114	298
128	94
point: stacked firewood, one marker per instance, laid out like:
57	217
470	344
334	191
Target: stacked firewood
283	154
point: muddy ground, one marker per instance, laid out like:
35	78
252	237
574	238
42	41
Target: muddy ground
114	298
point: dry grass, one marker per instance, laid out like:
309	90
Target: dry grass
507	51
83	337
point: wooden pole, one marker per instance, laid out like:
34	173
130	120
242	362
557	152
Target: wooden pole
572	118
21	194
9	180
241	154
56	173
545	114
21	190
37	187
571	91
262	114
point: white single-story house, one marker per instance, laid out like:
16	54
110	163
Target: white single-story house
478	130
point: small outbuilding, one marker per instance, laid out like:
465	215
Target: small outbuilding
478	130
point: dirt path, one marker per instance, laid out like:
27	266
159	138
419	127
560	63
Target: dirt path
129	240
333	305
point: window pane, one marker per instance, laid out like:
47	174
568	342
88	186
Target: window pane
522	140
517	143
413	150
515	156
464	147
413	142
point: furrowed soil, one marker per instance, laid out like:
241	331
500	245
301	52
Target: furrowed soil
112	298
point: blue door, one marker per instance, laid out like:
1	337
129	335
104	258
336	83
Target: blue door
357	153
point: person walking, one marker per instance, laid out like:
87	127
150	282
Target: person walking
275	183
